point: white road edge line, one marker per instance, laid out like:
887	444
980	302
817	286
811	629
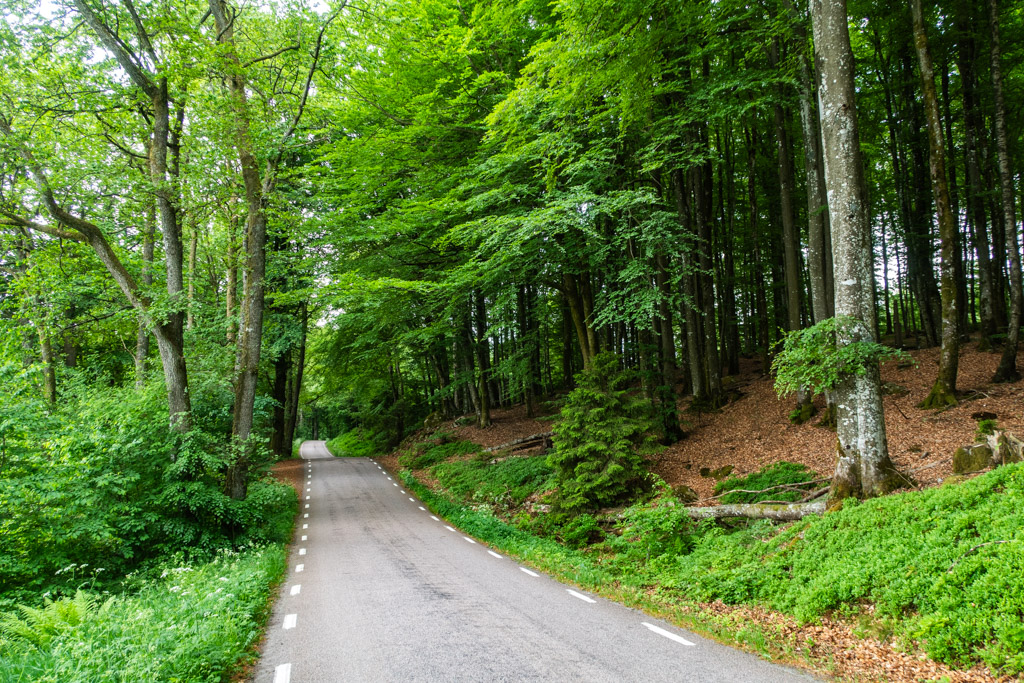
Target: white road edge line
305	515
302	551
296	589
494	554
470	540
434	518
283	673
303	537
581	596
299	568
527	571
412	500
305	526
448	528
307	505
423	508
289	621
668	634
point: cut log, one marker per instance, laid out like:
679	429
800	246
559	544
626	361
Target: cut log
525	442
779	513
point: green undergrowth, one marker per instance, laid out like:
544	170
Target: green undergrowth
185	622
357	443
781	474
937	569
438	448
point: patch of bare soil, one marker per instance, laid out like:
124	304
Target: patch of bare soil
290	472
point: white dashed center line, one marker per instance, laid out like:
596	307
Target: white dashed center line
307	506
581	596
305	526
527	571
302	551
394	484
493	554
305	515
299	568
283	673
296	589
668	634
304	538
308	490
412	500
289	620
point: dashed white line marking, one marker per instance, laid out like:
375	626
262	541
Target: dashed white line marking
389	478
412	500
289	620
493	554
299	568
308	497
394	484
308	490
307	505
305	526
448	528
296	589
423	508
581	596
668	634
304	537
283	673
305	515
402	490
470	540
527	571
434	518
302	551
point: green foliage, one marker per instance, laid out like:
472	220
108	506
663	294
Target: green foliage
356	443
776	474
652	529
427	453
503	485
942	566
602	439
191	622
812	358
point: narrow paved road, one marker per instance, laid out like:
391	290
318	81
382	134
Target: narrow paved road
378	589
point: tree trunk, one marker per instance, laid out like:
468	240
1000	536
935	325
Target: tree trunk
943	392
296	384
1007	370
483	362
863	468
142	334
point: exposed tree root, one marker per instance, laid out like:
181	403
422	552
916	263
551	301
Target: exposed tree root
940	397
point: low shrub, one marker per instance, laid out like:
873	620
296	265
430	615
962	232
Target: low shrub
504	484
429	453
193	622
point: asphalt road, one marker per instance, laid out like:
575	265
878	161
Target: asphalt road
380	590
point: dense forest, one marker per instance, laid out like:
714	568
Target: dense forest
226	227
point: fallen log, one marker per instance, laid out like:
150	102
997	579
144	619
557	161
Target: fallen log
543	436
779	513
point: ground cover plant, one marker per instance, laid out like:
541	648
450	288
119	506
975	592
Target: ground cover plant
782	481
182	622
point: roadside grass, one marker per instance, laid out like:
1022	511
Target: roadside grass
356	443
937	569
191	622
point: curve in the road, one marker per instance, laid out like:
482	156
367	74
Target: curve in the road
380	589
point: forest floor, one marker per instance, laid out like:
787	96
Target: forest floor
754	430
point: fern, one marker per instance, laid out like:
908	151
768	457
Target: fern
39	625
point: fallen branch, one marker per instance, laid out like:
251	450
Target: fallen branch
780	513
794	486
517	442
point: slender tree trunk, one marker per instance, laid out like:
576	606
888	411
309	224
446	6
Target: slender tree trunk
943	392
142	333
296	384
193	243
863	466
483	362
1007	370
